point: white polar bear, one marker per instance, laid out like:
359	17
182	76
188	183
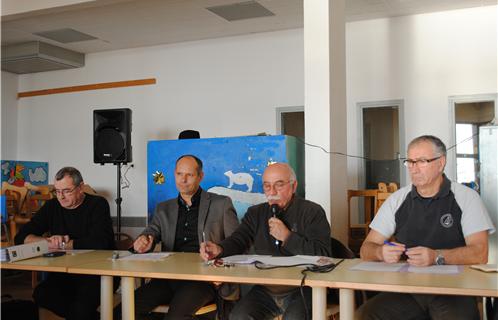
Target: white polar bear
240	178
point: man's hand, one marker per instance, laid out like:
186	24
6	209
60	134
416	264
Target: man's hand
209	250
143	243
278	229
391	253
421	256
58	242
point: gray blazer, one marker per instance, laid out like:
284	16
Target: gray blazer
217	218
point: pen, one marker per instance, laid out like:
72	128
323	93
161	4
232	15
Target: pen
203	237
389	243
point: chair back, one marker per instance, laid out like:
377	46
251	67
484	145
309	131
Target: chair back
340	251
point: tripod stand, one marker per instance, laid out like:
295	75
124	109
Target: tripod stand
123	240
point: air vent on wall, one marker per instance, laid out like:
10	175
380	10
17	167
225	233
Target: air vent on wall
36	56
241	10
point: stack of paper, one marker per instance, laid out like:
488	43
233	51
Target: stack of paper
152	256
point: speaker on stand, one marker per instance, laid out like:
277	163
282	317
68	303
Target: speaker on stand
112	144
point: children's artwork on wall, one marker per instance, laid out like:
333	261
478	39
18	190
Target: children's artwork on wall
18	172
232	166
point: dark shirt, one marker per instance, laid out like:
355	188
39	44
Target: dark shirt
89	225
310	231
186	238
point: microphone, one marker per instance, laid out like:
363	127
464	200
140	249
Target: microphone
274	209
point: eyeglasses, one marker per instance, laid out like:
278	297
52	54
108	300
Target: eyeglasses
65	192
279	185
421	163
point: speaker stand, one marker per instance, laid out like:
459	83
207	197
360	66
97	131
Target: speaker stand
118	202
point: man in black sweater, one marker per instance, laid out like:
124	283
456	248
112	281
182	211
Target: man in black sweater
75	220
294	227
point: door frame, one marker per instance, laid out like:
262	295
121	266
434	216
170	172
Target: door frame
278	115
452	101
401	126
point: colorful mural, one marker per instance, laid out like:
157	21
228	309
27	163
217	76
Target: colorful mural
232	166
18	172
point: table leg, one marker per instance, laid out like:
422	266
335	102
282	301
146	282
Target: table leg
346	304
128	298
106	297
319	303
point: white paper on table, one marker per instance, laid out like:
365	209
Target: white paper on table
444	269
152	256
378	266
485	267
295	260
75	251
243	258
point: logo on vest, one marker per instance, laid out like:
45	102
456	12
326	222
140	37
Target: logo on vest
446	220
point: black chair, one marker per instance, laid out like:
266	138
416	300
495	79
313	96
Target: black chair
189	134
340	251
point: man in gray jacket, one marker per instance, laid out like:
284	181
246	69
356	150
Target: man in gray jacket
181	224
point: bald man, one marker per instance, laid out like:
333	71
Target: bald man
297	227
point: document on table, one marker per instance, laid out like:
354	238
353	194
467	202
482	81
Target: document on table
445	269
405	267
378	266
278	261
242	259
74	251
485	267
152	256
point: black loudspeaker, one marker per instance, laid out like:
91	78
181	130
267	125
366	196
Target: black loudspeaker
112	136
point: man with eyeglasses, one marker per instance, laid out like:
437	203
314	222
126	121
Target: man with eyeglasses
286	225
74	220
433	221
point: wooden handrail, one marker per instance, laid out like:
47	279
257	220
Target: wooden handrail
94	86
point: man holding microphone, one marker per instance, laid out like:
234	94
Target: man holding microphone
286	225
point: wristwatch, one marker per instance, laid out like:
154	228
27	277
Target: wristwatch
440	258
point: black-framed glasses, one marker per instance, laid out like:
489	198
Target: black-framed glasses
420	162
64	192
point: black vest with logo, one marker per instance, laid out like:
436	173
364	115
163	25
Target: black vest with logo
430	222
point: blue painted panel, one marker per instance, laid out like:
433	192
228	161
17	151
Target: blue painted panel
17	172
246	157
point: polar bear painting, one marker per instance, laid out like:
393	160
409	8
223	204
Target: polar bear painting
240	178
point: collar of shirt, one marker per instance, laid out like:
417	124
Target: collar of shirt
443	191
196	200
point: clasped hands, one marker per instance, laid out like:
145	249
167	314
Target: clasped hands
417	256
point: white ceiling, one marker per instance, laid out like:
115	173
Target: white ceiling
120	24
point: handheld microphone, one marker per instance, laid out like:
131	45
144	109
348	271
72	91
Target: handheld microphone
274	209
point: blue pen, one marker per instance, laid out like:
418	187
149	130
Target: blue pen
389	243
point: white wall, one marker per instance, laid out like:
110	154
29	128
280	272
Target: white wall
221	87
230	87
8	116
422	59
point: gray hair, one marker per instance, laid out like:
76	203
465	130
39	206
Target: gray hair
439	147
292	173
70	172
